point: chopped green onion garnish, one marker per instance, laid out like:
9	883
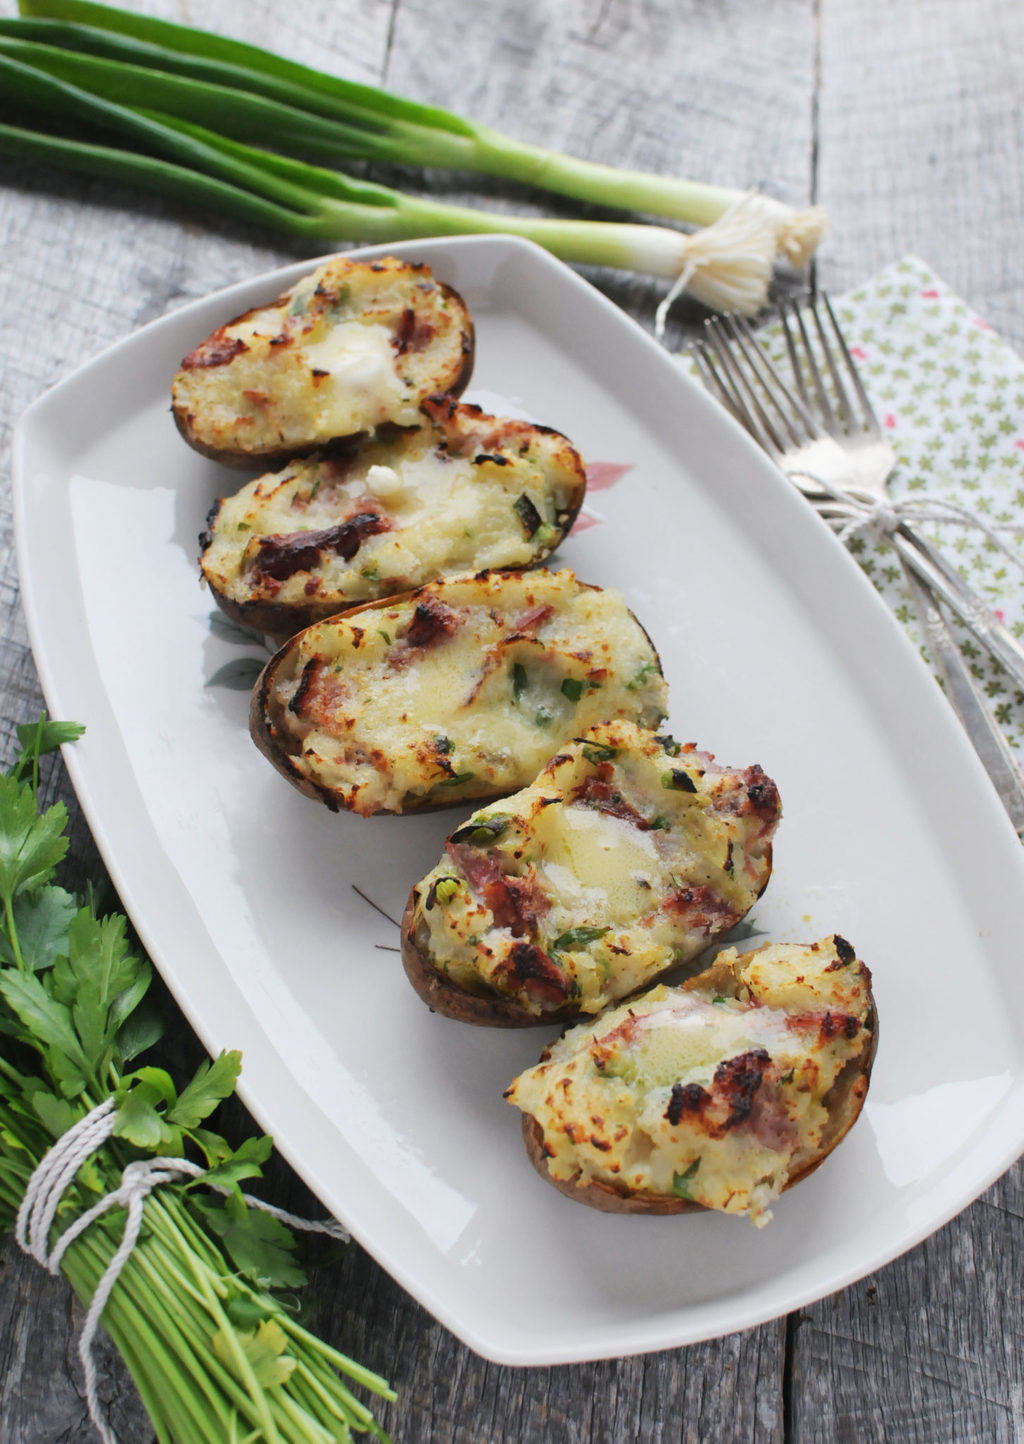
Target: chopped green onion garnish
483	830
640	676
577	938
678	781
682	1182
596	751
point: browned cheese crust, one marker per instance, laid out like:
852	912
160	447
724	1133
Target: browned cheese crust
245	397
844	1102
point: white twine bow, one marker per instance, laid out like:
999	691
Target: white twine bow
42	1199
883	516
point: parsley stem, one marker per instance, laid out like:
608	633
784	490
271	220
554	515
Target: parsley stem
12	932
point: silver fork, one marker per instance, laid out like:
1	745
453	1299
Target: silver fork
834	450
832	446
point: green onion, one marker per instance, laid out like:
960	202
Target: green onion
682	1182
372	123
445	889
481	831
576	938
596	751
183	81
678	780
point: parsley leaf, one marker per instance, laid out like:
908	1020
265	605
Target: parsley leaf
576	938
264	1348
41	921
31	843
212	1083
259	1245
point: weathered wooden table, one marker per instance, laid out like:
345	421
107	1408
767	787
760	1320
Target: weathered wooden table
906	120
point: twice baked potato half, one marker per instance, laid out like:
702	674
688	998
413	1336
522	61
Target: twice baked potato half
719	1094
461	492
462	689
353	347
626	857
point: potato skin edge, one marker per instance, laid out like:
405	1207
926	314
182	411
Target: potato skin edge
443	996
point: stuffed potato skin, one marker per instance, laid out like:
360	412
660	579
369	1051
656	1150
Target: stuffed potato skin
720	1094
351	348
460	690
462	491
626	857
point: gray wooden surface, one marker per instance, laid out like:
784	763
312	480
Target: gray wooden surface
906	120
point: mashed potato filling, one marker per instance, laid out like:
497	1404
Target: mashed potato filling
716	1093
625	858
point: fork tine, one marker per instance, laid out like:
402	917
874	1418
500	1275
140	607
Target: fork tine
824	403
858	385
733	402
759	422
848	417
785	309
717	384
786	404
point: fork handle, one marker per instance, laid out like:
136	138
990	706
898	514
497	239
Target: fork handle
990	742
947	583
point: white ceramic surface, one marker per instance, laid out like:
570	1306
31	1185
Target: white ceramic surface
776	650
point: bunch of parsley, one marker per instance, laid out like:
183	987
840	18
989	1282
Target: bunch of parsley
215	1353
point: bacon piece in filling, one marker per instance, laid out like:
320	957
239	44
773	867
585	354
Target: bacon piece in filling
414	333
700	909
516	903
529	968
594	791
431	623
280	557
741	1096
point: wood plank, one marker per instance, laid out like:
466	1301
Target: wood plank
927	1350
920	145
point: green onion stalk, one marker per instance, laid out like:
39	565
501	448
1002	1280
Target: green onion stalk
264	102
214	1348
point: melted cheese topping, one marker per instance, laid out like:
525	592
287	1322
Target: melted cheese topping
520	663
713	1096
444	513
606	866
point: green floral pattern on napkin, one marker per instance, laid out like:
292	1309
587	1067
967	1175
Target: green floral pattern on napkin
950	394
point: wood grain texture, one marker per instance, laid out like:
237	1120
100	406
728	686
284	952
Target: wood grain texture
921	134
906	121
